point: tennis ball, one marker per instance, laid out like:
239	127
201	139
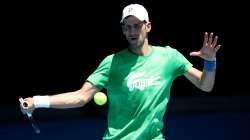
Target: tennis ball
100	98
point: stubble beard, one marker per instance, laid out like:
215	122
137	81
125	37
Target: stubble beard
138	45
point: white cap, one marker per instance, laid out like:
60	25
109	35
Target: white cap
136	10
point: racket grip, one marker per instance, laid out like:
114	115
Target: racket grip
29	115
23	103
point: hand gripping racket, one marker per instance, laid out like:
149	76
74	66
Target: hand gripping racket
29	115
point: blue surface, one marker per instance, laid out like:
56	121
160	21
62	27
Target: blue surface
208	126
178	126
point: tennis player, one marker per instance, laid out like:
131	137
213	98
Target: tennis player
138	80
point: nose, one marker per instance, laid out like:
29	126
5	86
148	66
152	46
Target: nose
134	30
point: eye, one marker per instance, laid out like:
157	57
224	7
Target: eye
137	26
127	27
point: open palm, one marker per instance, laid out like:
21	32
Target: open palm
209	48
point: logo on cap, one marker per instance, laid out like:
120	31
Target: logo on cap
130	9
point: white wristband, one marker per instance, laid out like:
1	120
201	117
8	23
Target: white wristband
41	101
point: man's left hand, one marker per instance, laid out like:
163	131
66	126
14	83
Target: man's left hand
209	48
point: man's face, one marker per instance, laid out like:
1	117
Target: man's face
135	30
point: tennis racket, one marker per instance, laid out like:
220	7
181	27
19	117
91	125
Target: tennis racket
29	115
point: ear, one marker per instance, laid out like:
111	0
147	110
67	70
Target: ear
148	26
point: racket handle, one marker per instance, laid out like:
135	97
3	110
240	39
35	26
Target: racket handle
29	115
23	103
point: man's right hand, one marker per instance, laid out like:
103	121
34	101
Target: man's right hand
28	106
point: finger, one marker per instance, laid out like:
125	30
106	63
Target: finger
217	48
215	41
23	105
195	54
210	39
205	39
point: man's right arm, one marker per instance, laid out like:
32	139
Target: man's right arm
67	100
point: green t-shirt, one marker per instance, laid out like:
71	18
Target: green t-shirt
138	90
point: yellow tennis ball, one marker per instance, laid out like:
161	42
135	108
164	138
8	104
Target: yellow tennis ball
100	98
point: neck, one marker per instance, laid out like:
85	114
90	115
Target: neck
143	50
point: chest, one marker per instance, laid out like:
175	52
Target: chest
140	74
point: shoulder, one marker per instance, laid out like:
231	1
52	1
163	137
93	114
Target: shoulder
122	54
165	50
109	58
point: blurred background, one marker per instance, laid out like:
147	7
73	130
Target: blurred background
50	48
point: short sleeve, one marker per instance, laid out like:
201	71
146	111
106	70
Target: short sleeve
100	76
182	64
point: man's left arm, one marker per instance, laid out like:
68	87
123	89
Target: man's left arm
205	79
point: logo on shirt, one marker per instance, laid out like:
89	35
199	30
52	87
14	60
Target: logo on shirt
141	81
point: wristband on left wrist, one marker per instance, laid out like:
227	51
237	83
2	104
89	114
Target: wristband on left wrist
210	65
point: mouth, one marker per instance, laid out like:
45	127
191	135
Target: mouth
133	38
